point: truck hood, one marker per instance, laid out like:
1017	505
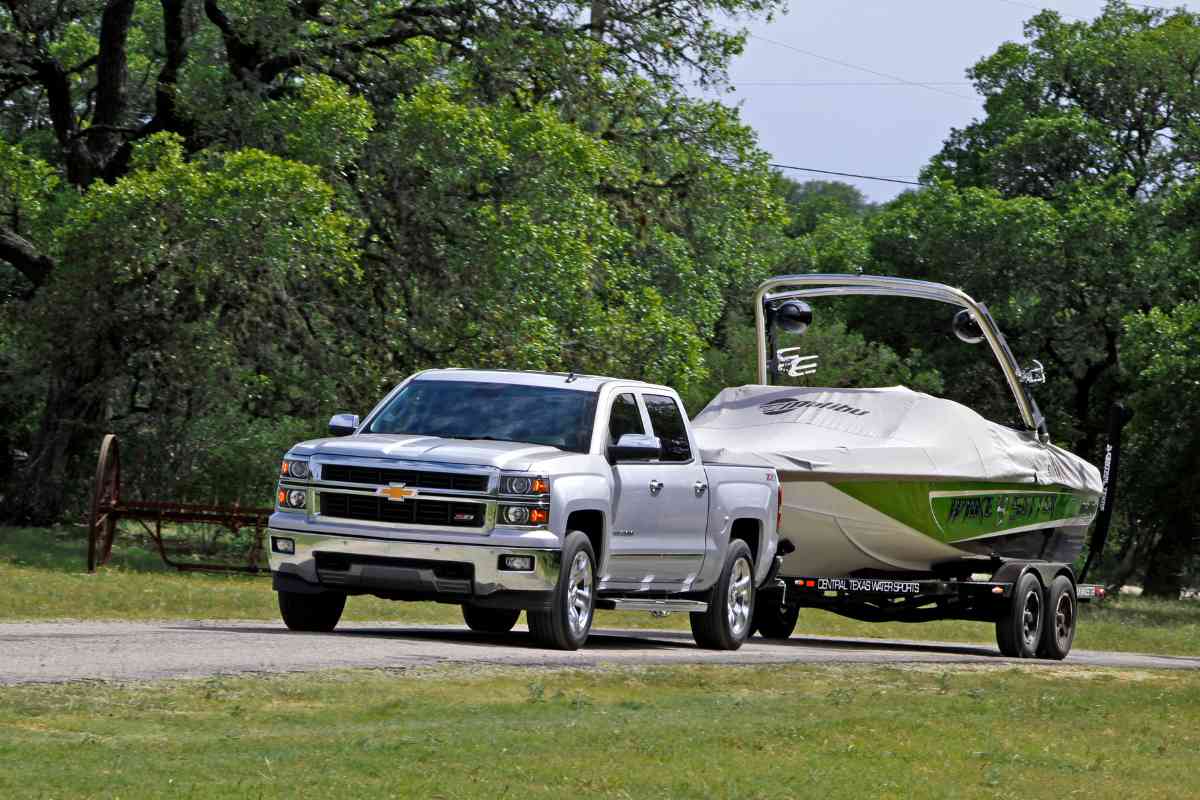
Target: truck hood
518	456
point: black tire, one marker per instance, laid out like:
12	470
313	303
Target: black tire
311	612
566	624
1058	628
718	628
1019	629
772	619
490	620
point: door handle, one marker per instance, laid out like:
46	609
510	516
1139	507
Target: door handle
655	487
700	487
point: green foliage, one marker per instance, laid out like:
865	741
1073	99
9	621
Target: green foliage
810	202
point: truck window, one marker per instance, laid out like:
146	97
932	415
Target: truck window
625	418
667	421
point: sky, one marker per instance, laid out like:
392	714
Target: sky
882	130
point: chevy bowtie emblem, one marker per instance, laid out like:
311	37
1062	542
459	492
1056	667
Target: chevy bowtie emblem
397	492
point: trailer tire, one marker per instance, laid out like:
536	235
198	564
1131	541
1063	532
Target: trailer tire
490	620
773	619
730	615
566	624
1019	629
313	613
1058	629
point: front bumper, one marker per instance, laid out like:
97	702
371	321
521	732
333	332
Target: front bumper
411	570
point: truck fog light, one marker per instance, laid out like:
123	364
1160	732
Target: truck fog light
296	498
517	563
282	545
516	515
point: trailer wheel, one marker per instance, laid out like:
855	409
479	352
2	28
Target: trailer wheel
1019	629
774	619
1058	631
490	620
566	624
726	623
317	613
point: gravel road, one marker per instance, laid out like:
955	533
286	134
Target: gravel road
51	652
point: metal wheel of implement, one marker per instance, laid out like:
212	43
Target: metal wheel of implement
106	493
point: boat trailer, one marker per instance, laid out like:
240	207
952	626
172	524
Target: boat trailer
108	508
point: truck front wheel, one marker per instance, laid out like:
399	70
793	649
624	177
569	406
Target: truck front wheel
311	612
726	623
490	620
566	624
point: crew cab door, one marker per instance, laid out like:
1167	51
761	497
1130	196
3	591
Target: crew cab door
659	511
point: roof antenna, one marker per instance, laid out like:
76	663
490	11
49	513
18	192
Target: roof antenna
571	376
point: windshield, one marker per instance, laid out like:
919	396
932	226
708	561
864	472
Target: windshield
504	412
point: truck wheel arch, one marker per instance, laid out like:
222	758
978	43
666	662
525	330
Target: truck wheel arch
749	531
590	522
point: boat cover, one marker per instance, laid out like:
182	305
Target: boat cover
883	433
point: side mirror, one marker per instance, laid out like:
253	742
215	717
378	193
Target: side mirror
967	328
343	424
635	447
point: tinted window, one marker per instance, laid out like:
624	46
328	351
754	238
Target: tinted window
668	425
625	418
483	410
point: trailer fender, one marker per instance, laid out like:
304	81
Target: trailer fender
1046	571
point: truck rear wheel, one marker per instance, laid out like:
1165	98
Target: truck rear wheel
726	623
774	619
490	620
311	612
1019	629
566	624
1058	629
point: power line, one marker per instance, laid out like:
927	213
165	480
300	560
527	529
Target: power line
847	174
737	83
931	87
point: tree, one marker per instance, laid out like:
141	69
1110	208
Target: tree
515	183
1163	352
809	201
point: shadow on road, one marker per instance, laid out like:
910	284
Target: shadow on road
601	639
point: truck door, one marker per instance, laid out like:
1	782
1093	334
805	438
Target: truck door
634	508
681	512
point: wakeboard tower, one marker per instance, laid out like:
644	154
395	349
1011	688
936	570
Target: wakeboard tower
898	505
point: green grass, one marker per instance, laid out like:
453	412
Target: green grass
42	572
688	732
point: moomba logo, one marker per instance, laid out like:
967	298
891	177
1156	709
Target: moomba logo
786	404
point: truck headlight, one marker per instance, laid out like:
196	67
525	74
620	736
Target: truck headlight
524	515
523	484
293	468
291	498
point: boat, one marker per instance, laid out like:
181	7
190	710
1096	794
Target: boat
888	481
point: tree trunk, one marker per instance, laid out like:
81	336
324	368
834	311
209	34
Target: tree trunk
1168	561
70	423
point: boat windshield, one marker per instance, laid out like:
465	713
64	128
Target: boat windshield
486	410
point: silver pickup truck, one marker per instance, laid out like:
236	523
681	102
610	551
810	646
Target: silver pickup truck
506	491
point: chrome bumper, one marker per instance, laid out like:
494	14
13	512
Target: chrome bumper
484	559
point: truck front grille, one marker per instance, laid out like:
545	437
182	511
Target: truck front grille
423	479
409	512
